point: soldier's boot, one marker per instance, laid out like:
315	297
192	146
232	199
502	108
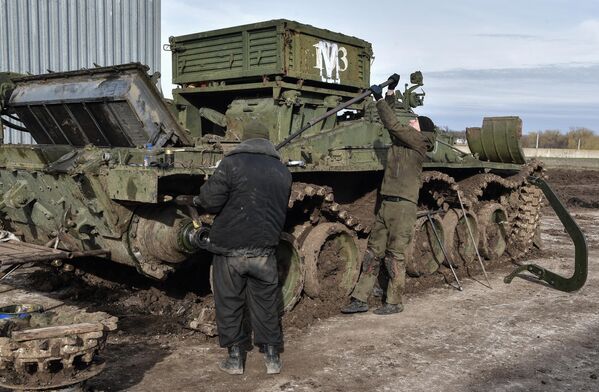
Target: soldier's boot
389	309
233	364
370	264
355	306
396	270
272	359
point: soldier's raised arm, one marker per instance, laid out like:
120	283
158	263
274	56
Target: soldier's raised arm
405	134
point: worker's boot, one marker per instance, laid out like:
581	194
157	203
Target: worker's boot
272	359
389	309
355	306
233	364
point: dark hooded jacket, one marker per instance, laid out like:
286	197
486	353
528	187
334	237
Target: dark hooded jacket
249	192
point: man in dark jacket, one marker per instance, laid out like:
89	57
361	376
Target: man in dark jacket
248	192
396	217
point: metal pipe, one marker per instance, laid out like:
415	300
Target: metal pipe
89	253
480	260
430	220
13	269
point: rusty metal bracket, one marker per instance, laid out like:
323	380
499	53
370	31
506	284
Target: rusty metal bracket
579	277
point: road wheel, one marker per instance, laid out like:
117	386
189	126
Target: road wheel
291	271
493	226
331	259
457	237
424	253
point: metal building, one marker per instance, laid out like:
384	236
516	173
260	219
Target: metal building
63	35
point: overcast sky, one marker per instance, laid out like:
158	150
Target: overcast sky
538	59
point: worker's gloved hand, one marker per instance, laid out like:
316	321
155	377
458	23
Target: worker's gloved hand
187	200
196	201
395	78
377	92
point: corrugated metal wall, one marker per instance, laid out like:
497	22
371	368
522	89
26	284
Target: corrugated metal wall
63	35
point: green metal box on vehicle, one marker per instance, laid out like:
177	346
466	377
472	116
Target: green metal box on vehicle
273	48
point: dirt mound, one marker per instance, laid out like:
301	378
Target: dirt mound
578	202
145	307
577	188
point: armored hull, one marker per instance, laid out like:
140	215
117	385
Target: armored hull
93	186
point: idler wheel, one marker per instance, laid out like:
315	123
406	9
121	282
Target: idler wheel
291	271
492	219
424	254
457	238
332	260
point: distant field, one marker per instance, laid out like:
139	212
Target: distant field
580	163
560	157
556	157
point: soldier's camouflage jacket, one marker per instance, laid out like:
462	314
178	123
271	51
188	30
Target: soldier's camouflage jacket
404	157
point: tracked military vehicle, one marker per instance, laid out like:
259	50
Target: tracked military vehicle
112	154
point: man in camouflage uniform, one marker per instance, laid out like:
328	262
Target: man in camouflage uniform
396	217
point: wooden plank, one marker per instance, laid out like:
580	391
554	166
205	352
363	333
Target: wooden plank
10	245
34	258
23	250
15	252
20	246
55	332
20	252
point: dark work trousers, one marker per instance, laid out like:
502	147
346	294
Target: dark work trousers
252	281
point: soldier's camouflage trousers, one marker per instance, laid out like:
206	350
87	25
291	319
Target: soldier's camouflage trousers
388	241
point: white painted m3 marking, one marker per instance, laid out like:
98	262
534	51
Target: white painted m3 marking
331	59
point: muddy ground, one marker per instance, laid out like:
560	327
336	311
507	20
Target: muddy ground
518	337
